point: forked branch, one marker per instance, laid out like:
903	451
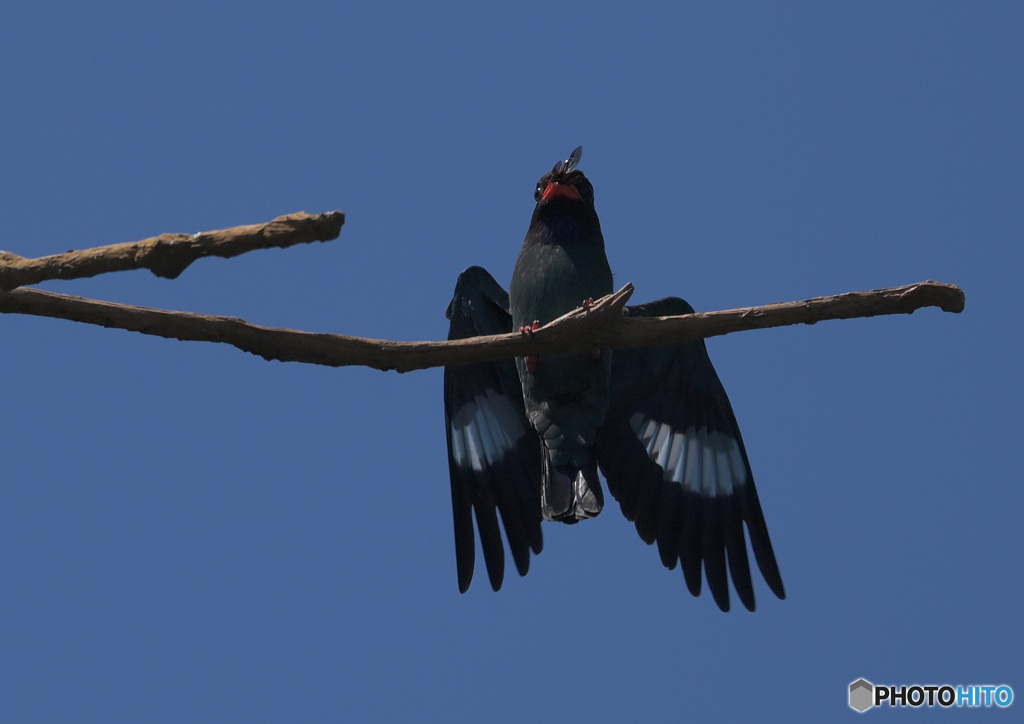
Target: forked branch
602	325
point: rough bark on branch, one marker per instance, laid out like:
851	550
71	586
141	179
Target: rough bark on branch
168	255
603	325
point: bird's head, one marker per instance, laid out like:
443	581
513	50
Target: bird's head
565	204
565	183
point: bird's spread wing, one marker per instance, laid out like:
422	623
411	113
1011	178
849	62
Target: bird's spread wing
674	459
493	455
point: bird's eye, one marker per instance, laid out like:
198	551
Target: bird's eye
538	192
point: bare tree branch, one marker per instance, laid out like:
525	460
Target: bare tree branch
602	325
168	255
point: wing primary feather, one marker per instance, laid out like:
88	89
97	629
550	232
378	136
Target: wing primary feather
760	542
713	548
490	536
670	514
736	549
689	542
465	545
462	501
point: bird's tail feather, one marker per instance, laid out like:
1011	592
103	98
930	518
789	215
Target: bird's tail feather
570	494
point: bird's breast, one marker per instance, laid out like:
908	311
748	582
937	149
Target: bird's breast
552	279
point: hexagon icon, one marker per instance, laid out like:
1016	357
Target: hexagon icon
862	695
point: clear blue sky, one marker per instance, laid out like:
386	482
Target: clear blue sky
190	533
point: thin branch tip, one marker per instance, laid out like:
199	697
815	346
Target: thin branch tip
168	255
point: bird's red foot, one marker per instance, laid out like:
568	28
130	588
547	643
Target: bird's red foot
528	329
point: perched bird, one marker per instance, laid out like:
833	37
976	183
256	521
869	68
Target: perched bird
526	437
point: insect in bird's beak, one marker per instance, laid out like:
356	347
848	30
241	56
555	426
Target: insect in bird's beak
570	163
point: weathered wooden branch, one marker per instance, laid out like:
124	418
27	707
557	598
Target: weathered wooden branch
168	255
602	325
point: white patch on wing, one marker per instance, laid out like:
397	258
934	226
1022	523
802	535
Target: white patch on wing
674	459
702	461
458	444
709	477
484	430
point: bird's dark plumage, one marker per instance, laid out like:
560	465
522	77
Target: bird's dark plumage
562	263
526	438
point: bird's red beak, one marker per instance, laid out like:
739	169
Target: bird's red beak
566	191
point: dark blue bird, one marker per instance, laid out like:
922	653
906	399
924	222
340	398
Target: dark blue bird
526	437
